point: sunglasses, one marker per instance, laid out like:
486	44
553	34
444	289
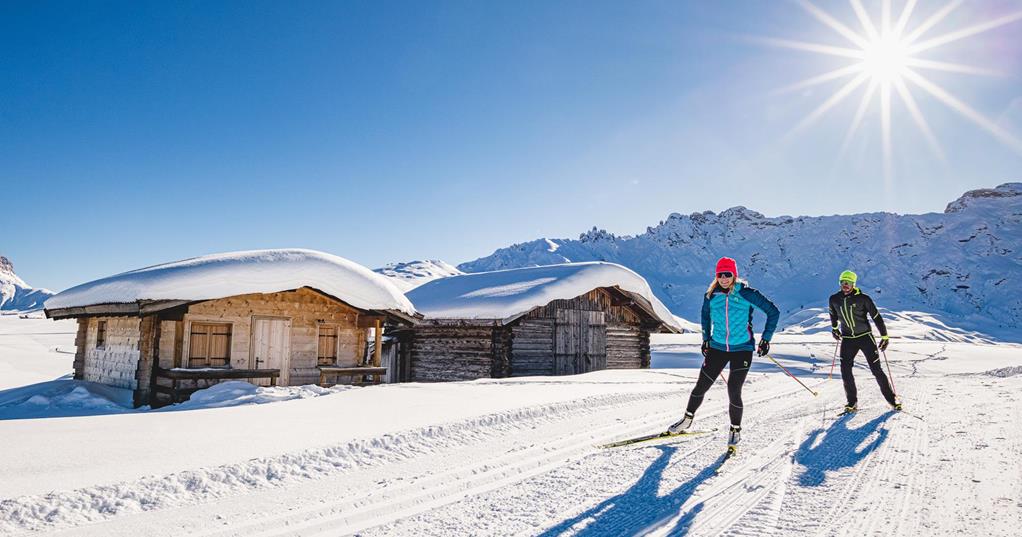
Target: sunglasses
725	275
847	282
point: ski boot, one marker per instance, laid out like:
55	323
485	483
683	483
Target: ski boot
849	409
682	425
733	437
896	406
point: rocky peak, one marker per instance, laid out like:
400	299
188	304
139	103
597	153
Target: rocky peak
1007	190
6	267
596	235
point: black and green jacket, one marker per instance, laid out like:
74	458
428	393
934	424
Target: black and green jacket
853	312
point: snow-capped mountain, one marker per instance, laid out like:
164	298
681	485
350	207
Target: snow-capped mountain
408	276
964	263
15	294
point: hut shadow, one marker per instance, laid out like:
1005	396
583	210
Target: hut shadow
63	398
840	447
640	506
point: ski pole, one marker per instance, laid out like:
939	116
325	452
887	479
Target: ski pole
778	364
889	375
834	361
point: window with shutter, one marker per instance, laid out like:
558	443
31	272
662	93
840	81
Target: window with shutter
327	345
101	335
209	345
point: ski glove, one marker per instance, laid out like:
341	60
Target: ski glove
764	347
883	343
836	333
706	349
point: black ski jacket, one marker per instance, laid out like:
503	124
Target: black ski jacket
854	311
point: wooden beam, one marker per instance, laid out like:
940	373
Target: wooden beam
369	321
379	343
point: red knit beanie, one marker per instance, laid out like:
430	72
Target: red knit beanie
726	264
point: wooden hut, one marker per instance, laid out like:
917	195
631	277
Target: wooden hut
278	317
549	320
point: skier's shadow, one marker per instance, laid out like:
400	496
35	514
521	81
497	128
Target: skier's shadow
641	506
840	447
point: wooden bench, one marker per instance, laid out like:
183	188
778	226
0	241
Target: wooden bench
375	374
179	394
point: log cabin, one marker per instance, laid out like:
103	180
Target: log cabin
272	317
548	320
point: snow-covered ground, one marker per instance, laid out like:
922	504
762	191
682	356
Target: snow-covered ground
519	456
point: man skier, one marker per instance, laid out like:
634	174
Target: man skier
850	312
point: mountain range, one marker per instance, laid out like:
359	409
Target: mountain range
963	263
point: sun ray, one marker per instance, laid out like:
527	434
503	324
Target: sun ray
886	56
825	18
964	32
834	99
885	17
811	47
885	131
933	20
819	79
965	110
950	67
906	12
917	116
867	23
867	98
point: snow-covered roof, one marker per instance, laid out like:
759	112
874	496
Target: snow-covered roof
236	273
507	294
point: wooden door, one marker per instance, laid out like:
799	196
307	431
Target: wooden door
271	345
580	342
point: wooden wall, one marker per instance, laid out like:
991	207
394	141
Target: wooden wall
590	332
532	347
117	362
306	309
454	351
81	338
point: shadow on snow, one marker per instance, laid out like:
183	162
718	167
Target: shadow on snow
640	506
840	447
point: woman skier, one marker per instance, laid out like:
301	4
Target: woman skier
728	339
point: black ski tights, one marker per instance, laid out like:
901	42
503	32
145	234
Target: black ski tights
849	348
712	366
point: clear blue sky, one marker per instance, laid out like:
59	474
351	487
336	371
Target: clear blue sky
135	133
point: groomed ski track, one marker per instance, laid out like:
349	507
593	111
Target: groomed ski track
537	471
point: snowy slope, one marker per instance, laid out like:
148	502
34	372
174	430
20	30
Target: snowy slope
519	457
236	273
15	294
409	275
964	263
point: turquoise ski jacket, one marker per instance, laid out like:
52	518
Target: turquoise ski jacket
727	318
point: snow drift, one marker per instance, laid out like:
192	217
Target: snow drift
509	293
237	273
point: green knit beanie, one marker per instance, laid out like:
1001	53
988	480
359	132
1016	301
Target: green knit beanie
848	276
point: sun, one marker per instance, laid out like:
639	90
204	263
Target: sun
886	58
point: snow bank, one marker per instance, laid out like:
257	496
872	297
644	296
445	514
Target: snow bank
237	273
915	325
236	392
66	397
508	293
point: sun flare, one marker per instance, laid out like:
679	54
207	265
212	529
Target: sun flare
886	58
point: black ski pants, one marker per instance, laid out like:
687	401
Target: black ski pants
849	348
712	366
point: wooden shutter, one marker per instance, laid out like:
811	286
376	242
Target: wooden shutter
327	345
209	345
